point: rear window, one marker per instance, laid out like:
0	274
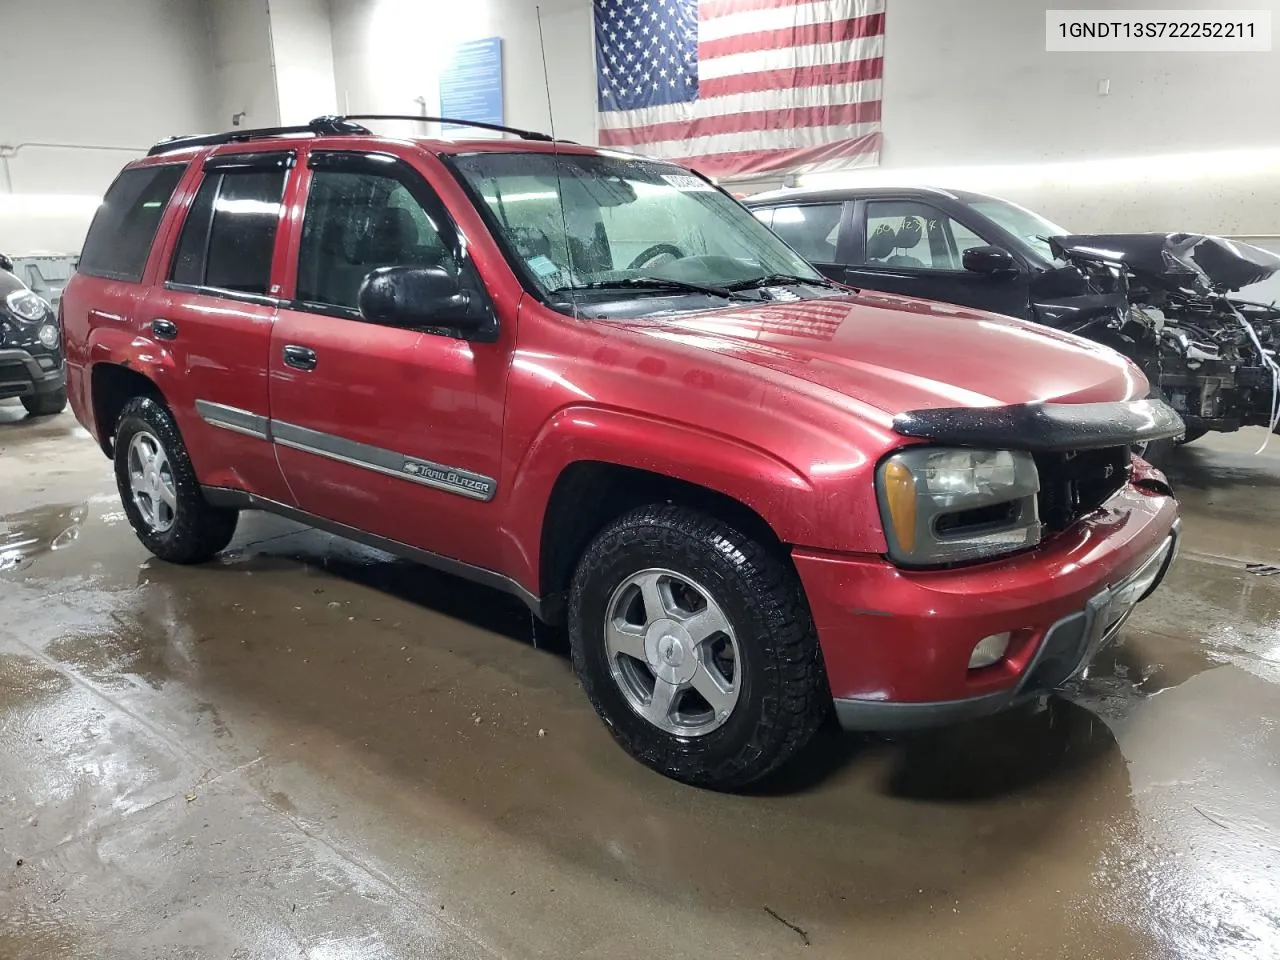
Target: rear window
125	226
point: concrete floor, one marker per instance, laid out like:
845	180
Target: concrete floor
310	750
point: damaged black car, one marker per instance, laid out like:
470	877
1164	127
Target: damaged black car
1163	300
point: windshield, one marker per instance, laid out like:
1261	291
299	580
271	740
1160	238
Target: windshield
605	225
1028	227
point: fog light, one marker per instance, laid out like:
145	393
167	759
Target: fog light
48	335
989	650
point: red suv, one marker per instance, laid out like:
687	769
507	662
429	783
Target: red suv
597	382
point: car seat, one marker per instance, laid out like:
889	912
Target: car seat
881	242
908	237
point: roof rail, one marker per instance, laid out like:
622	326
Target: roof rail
522	134
317	127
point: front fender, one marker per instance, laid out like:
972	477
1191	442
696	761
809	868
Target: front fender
796	509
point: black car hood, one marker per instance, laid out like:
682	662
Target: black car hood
1183	261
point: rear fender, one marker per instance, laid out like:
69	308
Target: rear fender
142	355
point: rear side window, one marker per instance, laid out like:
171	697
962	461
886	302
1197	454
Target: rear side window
229	235
120	238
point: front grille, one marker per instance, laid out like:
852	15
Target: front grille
1075	483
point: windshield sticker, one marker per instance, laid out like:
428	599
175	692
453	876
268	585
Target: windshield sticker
542	266
687	183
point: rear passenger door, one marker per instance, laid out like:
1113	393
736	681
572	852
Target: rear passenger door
213	316
917	249
819	232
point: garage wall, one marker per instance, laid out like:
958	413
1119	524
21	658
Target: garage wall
387	53
244	72
970	85
142	71
302	51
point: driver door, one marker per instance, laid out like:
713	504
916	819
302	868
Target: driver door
393	431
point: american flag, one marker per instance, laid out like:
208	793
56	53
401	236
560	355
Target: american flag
742	87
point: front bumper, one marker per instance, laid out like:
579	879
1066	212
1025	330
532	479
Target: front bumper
21	375
896	643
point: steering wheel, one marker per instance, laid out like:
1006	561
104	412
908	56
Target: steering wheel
657	250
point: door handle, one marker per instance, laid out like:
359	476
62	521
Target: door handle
164	329
300	358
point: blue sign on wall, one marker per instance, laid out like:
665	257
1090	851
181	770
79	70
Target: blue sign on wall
471	85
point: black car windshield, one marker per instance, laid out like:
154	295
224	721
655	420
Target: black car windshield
588	226
1029	227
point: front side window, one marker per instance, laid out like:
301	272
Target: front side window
811	230
229	236
575	223
125	226
1030	228
356	223
909	235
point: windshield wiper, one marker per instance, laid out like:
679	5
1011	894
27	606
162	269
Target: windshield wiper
779	279
653	283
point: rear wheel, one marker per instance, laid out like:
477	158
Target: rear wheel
695	646
46	404
159	490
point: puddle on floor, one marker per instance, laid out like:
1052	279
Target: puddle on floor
30	533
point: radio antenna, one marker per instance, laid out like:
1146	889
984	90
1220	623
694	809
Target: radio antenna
555	160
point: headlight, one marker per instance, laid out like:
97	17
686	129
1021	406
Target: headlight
951	506
48	336
27	306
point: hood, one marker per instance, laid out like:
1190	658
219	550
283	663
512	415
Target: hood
1178	261
899	354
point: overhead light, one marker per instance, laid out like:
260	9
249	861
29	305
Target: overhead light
1172	167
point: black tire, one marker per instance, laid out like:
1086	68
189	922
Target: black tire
198	530
783	693
46	404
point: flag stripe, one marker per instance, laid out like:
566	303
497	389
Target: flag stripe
787	58
715	9
839	32
780	95
751	162
777	18
791	78
788	138
824	115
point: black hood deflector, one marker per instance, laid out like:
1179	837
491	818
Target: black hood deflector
1044	427
1183	261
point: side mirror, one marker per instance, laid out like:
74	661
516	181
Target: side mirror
419	297
6	263
989	260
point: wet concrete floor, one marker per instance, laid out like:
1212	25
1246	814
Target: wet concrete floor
308	749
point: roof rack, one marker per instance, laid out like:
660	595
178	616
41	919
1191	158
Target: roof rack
330	126
317	127
522	134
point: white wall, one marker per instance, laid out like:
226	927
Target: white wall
302	51
969	85
386	53
123	73
244	72
970	82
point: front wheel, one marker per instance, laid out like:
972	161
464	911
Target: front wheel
696	647
46	404
159	489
